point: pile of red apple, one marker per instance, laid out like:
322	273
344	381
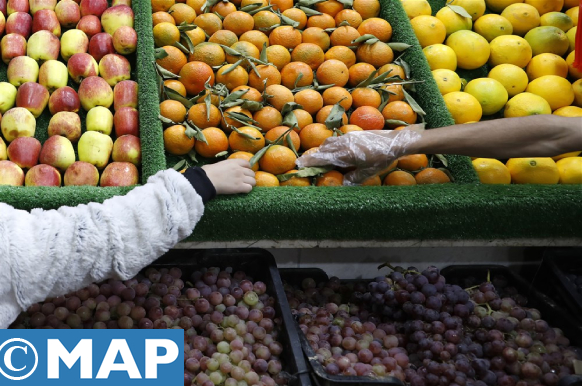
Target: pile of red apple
48	45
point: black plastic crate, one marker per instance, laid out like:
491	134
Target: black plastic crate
260	265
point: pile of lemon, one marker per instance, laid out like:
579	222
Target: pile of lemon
528	47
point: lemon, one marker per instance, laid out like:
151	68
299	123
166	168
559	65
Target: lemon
525	104
513	78
573	72
522	17
491	171
571	34
440	56
569	111
490	93
463	107
545	6
547	39
447	81
557	19
546	64
510	49
490	26
577	87
428	30
414	8
453	21
573	13
472	49
570	170
565	155
498	6
555	89
533	170
475	8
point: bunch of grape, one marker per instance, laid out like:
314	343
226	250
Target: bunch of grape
576	281
229	322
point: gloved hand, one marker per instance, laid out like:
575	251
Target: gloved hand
231	176
369	151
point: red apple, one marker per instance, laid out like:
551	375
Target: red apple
47	20
93	7
37	5
19	23
43	45
81	173
121	2
127	148
17	6
22	69
120	174
125	40
3	7
125	94
64	99
115	17
73	42
24	151
11	174
17	122
90	24
57	151
32	96
126	121
114	68
67	124
12	45
2	23
68	13
94	91
42	175
101	45
53	75
81	66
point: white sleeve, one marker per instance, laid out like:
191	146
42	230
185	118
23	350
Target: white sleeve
50	253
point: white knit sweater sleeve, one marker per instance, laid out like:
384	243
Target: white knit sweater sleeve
50	253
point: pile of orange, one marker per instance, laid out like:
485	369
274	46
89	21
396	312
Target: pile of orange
278	79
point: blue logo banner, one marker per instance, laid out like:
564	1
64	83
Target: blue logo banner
91	357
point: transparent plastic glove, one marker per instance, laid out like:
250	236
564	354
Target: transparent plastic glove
231	176
369	151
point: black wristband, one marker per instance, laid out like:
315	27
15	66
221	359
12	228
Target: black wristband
201	183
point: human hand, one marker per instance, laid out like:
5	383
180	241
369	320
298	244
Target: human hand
231	176
369	152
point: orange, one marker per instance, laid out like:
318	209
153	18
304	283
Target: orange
277	160
372	181
162	5
335	94
176	141
380	28
209	22
399	178
162	17
303	119
311	100
224	9
350	16
344	36
235	78
290	75
308	53
197	5
401	111
343	54
267	73
279	56
238	22
431	176
174	61
330	7
323	21
395	70
252	94
256	3
359	72
331	178
182	13
227	122
214	99
239	142
267	118
314	135
194	75
316	36
297	15
224	37
278	96
166	34
197	115
265	179
245	48
209	53
364	96
377	54
265	20
197	36
322	115
368	118
313	150
217	143
296	181
276	132
413	162
349	128
247	156
333	72
285	36
397	93
176	85
367	8
173	110
257	38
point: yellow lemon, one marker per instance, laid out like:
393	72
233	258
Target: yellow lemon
463	107
475	8
414	8
491	171
573	13
555	89
491	94
453	21
570	170
499	5
557	19
440	56
525	104
577	87
569	111
545	6
510	49
565	155
533	170
513	78
546	64
571	34
490	26
547	39
572	71
472	49
428	30
522	17
447	81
